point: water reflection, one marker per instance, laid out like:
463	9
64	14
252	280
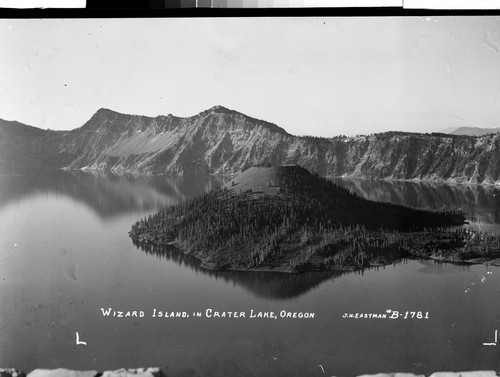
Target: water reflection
432	267
111	194
481	204
107	193
59	264
262	284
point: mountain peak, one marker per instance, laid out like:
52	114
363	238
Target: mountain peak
105	111
220	108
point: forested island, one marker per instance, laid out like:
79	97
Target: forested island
285	218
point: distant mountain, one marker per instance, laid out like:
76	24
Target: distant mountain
470	131
224	141
23	146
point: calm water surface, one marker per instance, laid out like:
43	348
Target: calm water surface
65	254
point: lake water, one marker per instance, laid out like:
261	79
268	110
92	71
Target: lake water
65	254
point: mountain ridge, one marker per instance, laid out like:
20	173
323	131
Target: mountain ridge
223	141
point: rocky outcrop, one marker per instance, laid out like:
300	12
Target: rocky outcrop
61	372
11	372
223	141
139	372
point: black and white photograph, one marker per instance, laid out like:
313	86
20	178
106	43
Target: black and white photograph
250	196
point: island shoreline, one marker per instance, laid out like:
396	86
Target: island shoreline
382	263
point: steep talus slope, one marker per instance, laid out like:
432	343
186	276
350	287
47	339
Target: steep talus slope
220	140
110	138
214	141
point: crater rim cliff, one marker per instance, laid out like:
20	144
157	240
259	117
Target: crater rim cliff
224	141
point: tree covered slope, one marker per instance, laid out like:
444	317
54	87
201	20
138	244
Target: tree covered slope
285	218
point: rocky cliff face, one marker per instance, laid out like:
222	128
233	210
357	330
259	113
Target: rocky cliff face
224	141
215	141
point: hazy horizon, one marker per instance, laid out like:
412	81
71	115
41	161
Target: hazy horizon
310	76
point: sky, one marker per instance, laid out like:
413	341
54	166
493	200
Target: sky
310	76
